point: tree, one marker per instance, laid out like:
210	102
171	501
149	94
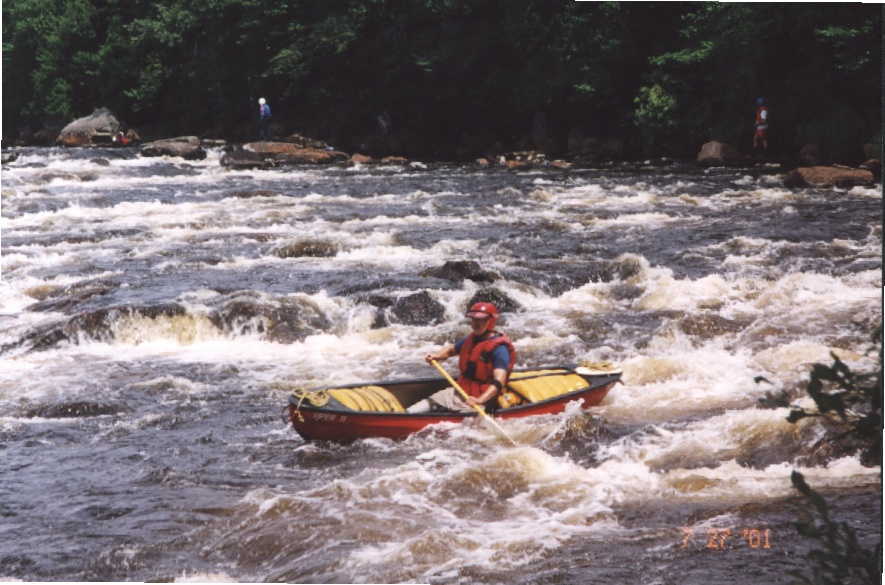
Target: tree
852	402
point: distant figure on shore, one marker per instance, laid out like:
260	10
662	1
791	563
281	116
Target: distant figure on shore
760	138
263	119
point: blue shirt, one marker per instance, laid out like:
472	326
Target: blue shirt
264	111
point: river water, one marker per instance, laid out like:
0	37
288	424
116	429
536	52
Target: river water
155	314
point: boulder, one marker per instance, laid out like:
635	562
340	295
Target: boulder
828	176
460	270
709	325
809	155
874	166
395	160
418	309
306	142
715	153
8	157
522	159
96	128
361	159
281	320
287	152
307	248
237	158
493	295
187	147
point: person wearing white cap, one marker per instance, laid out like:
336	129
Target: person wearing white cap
263	119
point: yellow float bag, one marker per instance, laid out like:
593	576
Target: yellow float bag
367	399
545	384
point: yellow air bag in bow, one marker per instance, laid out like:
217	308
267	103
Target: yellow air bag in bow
544	385
367	399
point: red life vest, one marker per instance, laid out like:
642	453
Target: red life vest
475	362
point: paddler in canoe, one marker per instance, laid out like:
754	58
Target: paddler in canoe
487	382
485	359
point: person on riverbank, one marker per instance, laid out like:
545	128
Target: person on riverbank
760	138
485	359
263	119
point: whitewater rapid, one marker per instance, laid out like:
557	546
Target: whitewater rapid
176	304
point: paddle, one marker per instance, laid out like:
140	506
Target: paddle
476	407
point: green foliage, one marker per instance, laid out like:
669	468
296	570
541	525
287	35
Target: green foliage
445	71
839	559
655	108
852	402
849	401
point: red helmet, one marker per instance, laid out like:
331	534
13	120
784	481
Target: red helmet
483	311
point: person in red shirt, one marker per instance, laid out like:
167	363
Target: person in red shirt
760	138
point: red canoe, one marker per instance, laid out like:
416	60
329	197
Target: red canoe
359	411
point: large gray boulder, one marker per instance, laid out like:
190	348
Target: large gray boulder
97	128
187	147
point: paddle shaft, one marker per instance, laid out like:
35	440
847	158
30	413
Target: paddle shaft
476	407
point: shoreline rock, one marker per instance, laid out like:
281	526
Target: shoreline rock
187	147
289	152
99	127
828	176
715	153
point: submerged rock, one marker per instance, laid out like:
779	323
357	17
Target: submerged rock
307	248
709	325
98	325
251	194
74	410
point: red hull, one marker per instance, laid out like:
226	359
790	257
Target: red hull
335	425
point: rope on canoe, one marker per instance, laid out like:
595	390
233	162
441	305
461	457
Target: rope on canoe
318	398
598	366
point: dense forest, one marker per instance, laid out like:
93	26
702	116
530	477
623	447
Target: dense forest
454	78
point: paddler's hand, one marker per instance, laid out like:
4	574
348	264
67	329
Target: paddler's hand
474	402
443	354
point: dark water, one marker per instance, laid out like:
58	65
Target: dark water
155	314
